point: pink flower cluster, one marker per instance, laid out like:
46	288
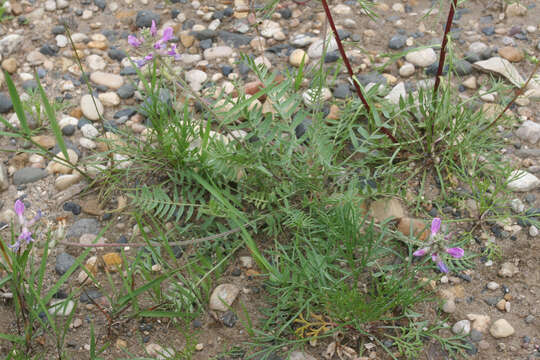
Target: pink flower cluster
455	252
26	234
160	45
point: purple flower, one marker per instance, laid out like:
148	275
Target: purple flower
435	226
26	234
153	29
134	41
167	34
455	252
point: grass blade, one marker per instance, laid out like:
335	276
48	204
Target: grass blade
17	104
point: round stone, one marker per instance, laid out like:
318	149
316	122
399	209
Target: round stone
462	327
296	57
90	110
223	296
501	329
422	58
109	80
406	70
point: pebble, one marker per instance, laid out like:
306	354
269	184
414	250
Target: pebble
144	19
422	58
63	182
113	261
520	180
217	52
516	9
397	42
95	62
501	329
83	226
5	103
502	67
462	327
297	56
229	319
64	262
109	99
449	306
61	307
533	231
10	65
508	270
4	181
398	92
109	80
492	285
28	175
406	70
315	50
89	131
126	91
511	53
529	131
470	83
89	110
224	293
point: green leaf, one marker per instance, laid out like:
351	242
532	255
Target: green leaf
17	104
52	119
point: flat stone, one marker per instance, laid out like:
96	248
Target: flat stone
64	181
64	262
462	327
28	175
4	181
61	307
508	270
397	93
501	329
109	80
315	50
415	227
224	293
529	131
10	43
422	58
386	208
520	180
217	52
89	110
511	53
502	67
83	226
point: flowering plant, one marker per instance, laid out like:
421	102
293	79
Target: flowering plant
26	234
160	46
436	248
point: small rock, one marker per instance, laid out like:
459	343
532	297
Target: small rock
462	327
419	228
113	261
28	175
501	329
511	54
64	181
406	70
82	226
4	181
109	99
492	285
501	305
95	62
5	103
223	296
449	306
61	307
9	43
529	131
397	42
516	9
300	355
229	319
315	50
533	231
89	131
521	180
480	323
398	92
64	262
89	110
508	270
386	208
217	52
10	65
111	81
296	57
144	19
502	67
422	58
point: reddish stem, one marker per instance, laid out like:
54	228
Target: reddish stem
447	29
348	66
